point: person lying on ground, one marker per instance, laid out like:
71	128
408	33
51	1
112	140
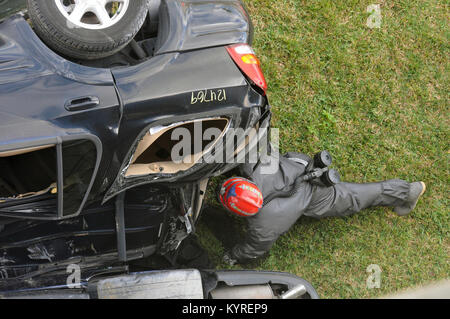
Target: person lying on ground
274	202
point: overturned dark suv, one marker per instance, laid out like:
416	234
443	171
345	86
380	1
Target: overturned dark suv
87	176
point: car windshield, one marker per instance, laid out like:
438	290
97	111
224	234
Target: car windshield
8	7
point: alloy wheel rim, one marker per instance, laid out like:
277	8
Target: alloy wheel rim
92	14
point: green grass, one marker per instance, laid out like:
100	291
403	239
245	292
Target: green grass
377	99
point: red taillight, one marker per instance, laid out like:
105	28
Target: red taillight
245	58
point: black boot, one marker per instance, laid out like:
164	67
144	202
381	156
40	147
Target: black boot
416	190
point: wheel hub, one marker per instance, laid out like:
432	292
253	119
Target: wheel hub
92	14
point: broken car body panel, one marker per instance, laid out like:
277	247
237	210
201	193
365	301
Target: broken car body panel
195	24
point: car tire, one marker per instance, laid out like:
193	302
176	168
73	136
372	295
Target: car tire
88	35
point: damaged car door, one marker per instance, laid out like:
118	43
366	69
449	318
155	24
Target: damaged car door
55	118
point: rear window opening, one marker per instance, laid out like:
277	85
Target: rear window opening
154	152
32	184
27	172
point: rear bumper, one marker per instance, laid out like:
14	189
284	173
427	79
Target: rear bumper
179	284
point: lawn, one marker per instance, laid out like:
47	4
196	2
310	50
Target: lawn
377	99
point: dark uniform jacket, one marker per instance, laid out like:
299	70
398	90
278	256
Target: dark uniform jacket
281	213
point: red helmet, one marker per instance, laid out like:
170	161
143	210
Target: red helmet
241	196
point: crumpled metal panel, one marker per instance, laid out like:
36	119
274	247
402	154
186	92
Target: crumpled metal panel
194	24
23	56
8	7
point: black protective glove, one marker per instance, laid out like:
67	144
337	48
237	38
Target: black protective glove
228	259
223	226
192	255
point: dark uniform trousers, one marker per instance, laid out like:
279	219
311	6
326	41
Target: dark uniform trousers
311	200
